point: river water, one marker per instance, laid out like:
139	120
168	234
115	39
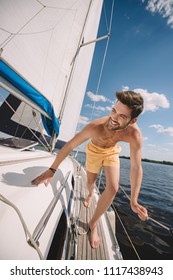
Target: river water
151	241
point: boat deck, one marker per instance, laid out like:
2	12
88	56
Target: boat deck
108	240
84	250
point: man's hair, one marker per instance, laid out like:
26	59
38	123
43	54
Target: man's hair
133	100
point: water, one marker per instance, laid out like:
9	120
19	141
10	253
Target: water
151	241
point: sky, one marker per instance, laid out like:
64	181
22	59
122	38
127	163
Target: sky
139	58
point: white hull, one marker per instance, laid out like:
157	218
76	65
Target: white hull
33	202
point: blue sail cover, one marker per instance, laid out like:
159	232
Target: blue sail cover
16	80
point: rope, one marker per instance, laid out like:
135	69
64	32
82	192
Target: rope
26	230
149	218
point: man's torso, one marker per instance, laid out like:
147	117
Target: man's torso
104	138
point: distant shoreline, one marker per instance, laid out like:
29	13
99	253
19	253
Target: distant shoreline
146	160
152	161
125	157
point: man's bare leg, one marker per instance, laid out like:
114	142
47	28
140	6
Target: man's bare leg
91	178
105	200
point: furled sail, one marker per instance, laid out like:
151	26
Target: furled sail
42	64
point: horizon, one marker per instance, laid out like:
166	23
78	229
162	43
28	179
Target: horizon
140	59
127	157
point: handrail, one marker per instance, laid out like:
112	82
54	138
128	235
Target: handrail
28	147
45	218
16	161
75	218
26	230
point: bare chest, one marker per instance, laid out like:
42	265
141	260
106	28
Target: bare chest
107	140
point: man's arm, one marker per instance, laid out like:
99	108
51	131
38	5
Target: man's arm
78	139
136	174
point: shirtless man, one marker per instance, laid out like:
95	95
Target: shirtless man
103	150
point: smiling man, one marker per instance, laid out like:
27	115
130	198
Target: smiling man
103	151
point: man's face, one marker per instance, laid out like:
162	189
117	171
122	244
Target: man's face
119	117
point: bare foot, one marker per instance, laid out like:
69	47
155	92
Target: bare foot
94	237
88	201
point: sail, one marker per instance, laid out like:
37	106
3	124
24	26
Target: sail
40	45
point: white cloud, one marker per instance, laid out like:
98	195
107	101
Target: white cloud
162	7
125	88
98	108
145	138
151	145
161	129
83	120
108	108
164	150
97	97
153	100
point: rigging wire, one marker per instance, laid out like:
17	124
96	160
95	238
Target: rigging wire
106	21
128	236
24	124
149	218
105	53
101	181
39	129
19	121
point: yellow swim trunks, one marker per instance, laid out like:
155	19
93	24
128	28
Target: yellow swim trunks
97	157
